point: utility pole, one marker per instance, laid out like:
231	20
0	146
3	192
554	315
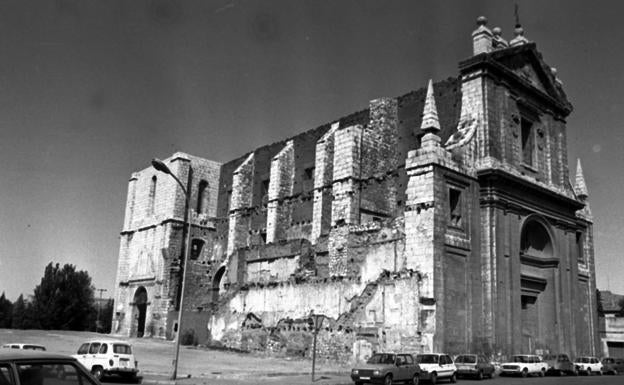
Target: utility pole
97	321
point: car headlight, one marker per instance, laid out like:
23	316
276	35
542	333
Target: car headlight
376	373
354	371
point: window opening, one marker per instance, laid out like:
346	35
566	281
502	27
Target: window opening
528	141
152	195
455	204
202	197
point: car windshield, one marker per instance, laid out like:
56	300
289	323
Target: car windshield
381	359
427	359
584	360
520	359
123	349
466	359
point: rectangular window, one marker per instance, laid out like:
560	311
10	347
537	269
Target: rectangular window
455	207
528	141
579	248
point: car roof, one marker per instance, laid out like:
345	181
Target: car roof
21	344
21	354
106	341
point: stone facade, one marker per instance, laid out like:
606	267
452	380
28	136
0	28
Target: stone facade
440	220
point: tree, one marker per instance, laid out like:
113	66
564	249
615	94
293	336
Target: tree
6	312
64	299
19	313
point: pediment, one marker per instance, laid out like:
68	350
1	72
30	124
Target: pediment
527	64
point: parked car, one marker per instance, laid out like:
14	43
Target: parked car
436	366
524	365
387	368
24	346
28	367
474	365
612	365
588	365
108	357
558	364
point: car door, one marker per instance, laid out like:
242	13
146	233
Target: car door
83	355
94	356
444	366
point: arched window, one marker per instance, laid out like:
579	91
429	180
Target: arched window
535	240
202	197
152	195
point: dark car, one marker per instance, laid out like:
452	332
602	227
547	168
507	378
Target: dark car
612	365
474	365
558	364
387	368
29	367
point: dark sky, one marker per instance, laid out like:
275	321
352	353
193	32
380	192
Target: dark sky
90	91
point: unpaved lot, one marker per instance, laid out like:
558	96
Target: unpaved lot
155	356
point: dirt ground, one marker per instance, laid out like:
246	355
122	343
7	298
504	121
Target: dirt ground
155	358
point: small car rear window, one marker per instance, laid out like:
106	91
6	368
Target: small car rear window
122	349
466	359
427	358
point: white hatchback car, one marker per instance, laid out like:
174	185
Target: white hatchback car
436	366
108	357
588	365
524	365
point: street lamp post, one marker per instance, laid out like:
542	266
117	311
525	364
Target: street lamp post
317	322
162	167
97	321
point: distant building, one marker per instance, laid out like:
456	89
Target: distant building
611	323
444	219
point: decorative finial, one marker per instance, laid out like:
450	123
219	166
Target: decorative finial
580	187
497	31
482	21
518	31
430	121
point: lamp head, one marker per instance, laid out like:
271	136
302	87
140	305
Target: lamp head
160	166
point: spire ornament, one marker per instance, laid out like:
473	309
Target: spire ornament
430	122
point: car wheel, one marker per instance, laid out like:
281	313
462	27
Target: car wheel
542	372
415	379
97	372
434	378
388	380
480	375
525	372
453	378
358	383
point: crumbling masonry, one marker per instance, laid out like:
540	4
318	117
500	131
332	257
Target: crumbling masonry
441	220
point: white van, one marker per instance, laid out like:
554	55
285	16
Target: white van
108	357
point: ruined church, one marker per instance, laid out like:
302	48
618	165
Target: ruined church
441	220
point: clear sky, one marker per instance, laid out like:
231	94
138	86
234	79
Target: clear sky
90	91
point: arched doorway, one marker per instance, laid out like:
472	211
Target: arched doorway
538	303
217	283
140	301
